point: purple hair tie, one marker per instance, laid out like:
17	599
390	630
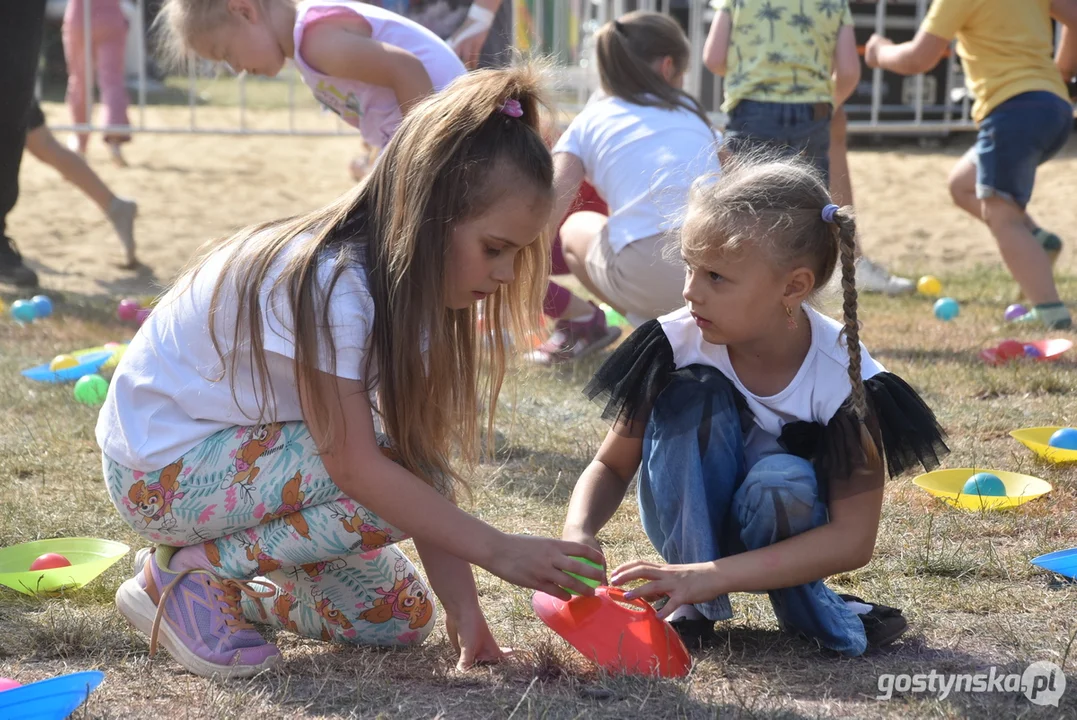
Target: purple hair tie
828	213
512	108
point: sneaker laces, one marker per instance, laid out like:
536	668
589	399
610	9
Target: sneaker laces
231	592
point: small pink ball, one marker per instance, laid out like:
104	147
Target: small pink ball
128	309
8	684
142	315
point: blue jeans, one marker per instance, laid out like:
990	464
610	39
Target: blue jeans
789	128
1017	137
699	502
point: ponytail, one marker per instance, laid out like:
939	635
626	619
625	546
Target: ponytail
625	49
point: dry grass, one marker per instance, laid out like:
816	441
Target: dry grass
963	580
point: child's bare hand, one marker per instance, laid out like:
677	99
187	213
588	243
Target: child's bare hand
579	536
683	584
541	564
871	50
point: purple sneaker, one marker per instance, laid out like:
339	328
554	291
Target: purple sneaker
203	625
573	340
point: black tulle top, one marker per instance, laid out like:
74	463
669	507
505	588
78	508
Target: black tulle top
905	430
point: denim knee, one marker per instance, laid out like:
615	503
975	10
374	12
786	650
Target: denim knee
778	499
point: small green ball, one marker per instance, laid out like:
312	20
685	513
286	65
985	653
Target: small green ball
585	580
91	390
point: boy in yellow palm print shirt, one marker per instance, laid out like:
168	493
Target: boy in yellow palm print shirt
786	64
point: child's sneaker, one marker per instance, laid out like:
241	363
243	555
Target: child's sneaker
696	634
1053	316
198	617
572	340
882	625
873	277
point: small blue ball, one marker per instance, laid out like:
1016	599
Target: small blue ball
1064	439
42	305
946	308
984	484
23	311
1032	351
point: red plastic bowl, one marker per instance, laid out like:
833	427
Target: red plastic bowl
1049	350
622	636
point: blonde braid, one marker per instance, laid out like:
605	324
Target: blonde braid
845	232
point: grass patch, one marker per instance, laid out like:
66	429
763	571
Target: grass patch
963	580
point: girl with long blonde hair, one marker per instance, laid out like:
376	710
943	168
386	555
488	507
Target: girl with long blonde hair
296	404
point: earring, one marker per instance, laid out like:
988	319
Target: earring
792	323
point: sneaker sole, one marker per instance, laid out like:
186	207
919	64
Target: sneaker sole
138	609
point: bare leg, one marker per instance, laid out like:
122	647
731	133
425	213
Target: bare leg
1021	252
43	145
963	191
841	181
577	233
871	276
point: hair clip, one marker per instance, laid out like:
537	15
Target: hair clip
828	213
512	108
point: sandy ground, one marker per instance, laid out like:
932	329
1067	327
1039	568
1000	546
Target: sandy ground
194	188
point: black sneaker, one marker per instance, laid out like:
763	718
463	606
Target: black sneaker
12	268
883	625
696	634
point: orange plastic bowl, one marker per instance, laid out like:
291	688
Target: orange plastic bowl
620	635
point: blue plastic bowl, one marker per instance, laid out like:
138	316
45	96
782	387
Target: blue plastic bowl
1063	562
90	363
52	699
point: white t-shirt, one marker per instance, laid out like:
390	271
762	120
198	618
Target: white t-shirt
642	160
171	391
819	388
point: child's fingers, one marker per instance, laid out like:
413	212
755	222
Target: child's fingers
580	550
637	570
651	590
555	590
582	569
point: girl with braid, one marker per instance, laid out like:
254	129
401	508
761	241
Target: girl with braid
761	429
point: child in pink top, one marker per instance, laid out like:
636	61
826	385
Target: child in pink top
365	63
108	36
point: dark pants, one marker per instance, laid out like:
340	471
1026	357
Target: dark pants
21	26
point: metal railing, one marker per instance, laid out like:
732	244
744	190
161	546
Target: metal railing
563	30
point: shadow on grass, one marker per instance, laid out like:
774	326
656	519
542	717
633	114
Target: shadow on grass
803	671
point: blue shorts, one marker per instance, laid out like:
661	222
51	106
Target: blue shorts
788	128
1014	139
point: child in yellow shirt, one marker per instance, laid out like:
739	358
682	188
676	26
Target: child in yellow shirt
1024	116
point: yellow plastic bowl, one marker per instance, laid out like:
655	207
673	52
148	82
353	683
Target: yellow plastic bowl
112	362
1035	439
947	484
89	558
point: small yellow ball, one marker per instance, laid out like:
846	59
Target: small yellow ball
929	285
62	362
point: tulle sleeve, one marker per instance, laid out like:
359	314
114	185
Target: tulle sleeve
903	427
633	375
